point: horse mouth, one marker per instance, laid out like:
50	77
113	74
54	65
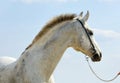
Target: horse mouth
96	57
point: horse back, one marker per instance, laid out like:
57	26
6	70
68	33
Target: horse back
6	61
5	69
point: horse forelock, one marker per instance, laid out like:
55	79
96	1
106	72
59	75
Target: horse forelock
56	20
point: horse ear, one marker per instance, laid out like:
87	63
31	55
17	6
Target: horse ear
81	14
85	18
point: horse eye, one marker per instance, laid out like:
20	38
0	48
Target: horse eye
91	33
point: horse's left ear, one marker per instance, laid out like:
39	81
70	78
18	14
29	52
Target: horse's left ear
81	14
85	18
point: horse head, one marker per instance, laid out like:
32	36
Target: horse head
85	41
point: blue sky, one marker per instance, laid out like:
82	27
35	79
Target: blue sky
21	20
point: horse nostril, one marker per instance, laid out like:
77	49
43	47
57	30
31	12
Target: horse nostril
96	57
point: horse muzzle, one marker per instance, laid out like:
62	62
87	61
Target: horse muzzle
96	57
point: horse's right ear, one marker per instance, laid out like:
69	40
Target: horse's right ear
85	18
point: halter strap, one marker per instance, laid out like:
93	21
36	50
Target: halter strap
87	34
104	80
87	59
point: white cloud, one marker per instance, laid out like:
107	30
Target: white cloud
108	1
41	1
107	33
65	0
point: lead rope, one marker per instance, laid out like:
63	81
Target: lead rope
87	59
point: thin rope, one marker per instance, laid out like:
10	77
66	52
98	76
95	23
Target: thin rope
87	59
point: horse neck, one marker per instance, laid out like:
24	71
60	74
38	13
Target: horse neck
45	54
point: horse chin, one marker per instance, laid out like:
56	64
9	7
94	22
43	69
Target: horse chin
96	60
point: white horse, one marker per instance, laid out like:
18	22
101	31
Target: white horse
38	61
